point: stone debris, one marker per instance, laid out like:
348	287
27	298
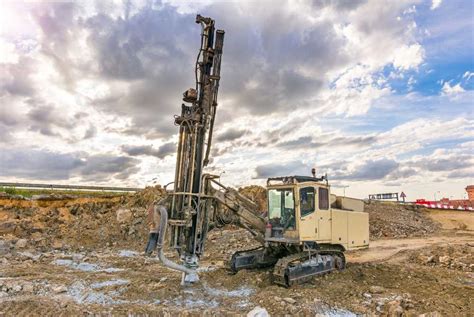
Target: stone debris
84	256
459	257
258	312
60	289
62	221
289	300
123	215
392	220
257	194
21	243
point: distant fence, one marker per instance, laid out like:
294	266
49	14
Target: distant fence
71	187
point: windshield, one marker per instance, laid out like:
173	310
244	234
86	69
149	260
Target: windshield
281	208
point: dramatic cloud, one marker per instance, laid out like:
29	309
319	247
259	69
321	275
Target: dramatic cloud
363	90
100	167
230	135
47	165
161	152
282	169
370	170
37	164
444	164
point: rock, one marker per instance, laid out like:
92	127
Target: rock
77	257
60	289
123	215
289	300
7	227
28	288
397	311
29	255
444	259
376	289
430	259
163	279
367	295
258	312
57	245
17	288
36	236
21	243
4	246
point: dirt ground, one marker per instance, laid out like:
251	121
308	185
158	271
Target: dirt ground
453	219
45	269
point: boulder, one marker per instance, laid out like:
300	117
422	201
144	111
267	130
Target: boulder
289	300
21	243
258	312
7	227
123	215
444	259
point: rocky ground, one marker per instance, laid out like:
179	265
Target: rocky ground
84	256
56	221
392	220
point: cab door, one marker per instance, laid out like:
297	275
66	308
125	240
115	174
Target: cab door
308	222
324	215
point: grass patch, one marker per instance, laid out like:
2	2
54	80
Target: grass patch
29	192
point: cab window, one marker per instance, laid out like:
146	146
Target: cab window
281	208
323	198
307	200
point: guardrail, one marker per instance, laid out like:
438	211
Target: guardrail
71	187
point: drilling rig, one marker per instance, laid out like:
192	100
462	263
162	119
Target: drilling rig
306	230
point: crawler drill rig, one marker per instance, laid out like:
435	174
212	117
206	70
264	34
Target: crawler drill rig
199	202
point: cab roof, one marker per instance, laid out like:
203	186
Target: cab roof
295	179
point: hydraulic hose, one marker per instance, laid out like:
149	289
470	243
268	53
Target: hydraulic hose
161	256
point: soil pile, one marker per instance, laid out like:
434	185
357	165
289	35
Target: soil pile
257	194
459	257
393	220
59	221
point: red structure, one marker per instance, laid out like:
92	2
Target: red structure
446	203
470	192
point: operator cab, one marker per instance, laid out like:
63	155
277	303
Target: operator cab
281	210
290	200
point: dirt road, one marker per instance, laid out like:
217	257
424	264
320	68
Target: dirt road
383	250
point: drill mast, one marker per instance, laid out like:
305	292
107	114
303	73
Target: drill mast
188	214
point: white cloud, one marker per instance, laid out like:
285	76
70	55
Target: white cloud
8	54
467	75
408	56
447	89
435	4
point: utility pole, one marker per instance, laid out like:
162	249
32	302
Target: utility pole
344	189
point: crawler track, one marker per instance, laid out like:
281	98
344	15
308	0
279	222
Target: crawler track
294	269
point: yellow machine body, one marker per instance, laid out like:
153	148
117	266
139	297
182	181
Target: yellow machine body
321	217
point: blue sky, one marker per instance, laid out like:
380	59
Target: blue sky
377	94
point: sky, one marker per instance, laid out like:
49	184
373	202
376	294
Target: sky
378	95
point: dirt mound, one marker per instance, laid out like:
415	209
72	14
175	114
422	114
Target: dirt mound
393	220
453	219
459	257
257	194
54	221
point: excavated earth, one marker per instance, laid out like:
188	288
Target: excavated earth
79	256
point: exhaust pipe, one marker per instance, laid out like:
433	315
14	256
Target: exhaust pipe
189	275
